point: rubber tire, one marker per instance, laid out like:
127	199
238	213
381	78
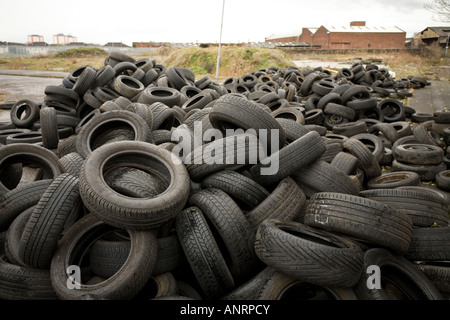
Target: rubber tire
31	113
133	213
125	284
430	245
49	127
418	154
360	218
392	180
309	254
399	272
203	253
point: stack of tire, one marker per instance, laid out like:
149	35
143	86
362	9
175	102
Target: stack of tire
127	204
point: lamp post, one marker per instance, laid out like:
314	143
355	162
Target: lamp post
220	42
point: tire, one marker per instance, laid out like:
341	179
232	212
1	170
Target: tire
350	129
324	177
168	96
105	122
289	159
107	256
443	180
31	110
135	183
227	221
292	129
426	172
442	116
28	154
24	137
424	208
125	284
331	97
163	116
418	154
49	128
241	188
286	202
128	86
289	113
133	213
309	254
144	111
340	110
360	218
425	134
367	159
203	253
58	207
346	162
392	110
394	180
373	142
386	129
198	101
13	236
438	273
85	81
400	278
430	245
356	92
24	283
233	112
215	156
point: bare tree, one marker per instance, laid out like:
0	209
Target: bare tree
440	9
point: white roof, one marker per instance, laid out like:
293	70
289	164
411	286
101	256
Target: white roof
363	29
284	35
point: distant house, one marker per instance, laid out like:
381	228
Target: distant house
63	39
355	36
35	38
432	36
115	44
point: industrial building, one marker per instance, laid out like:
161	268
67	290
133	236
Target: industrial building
355	36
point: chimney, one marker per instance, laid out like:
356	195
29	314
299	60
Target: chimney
357	24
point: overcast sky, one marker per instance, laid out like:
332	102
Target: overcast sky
99	21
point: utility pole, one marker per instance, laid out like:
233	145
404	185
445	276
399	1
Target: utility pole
220	42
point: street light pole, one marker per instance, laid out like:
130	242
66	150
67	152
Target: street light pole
220	42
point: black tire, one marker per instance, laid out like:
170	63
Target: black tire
85	81
28	154
31	110
392	180
104	123
24	137
442	116
241	188
135	183
368	161
71	163
203	253
125	284
286	202
128	86
214	156
360	218
350	129
373	142
354	93
163	116
425	134
13	235
144	111
400	279
230	227
58	207
324	177
426	172
392	110
198	101
345	162
133	213
423	207
418	154
443	180
49	127
289	159
290	114
309	254
292	129
430	245
24	283
234	112
386	129
340	110
438	273
169	96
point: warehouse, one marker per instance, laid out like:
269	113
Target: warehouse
355	36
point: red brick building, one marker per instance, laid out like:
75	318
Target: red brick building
355	36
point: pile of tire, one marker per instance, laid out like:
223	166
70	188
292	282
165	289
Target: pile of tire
117	210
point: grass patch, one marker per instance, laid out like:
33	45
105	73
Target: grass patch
234	61
81	52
